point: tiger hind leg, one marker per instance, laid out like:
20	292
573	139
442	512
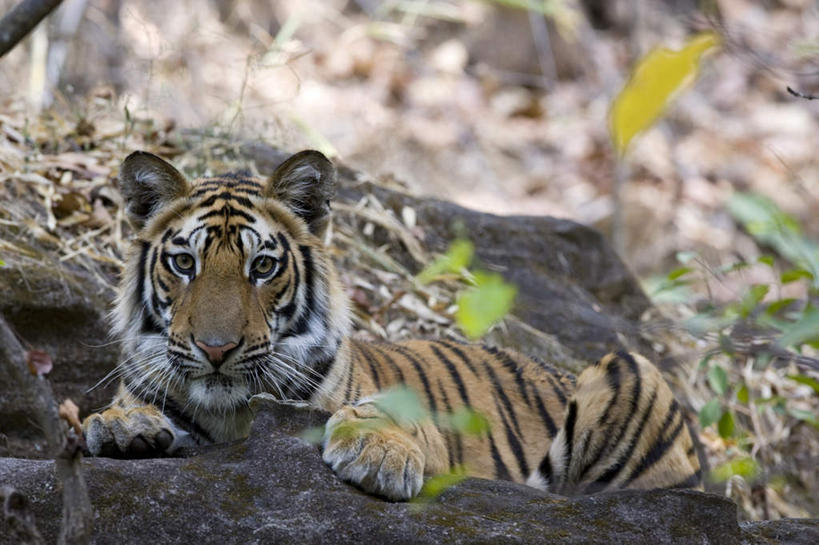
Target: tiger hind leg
622	429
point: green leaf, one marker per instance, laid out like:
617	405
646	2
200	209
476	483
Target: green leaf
454	261
805	330
725	426
795	274
437	484
808	381
805	416
685	257
2	263
710	413
763	219
767	260
465	420
484	305
746	468
704	322
313	435
402	404
778	305
677	273
742	394
752	298
717	379
655	80
733	267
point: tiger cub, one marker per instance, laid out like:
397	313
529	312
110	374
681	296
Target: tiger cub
229	292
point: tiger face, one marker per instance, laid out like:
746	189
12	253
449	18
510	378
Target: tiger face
232	295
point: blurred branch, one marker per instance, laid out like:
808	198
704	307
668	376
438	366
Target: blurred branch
77	513
13	365
543	45
19	517
797	94
17	23
67	21
618	228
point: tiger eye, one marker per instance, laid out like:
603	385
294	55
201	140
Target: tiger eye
263	265
183	262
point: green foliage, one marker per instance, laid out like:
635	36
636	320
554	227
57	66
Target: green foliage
402	405
655	80
805	330
483	304
806	416
808	381
710	413
726	425
313	435
718	379
465	420
750	330
745	467
455	261
436	485
742	394
764	220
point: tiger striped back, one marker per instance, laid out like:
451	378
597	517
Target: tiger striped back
229	292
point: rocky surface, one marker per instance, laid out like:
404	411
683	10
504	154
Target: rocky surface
273	487
64	313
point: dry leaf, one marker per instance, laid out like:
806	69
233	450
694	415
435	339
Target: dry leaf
39	362
69	412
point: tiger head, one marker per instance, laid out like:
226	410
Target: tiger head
227	290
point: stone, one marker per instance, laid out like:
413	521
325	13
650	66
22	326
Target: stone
62	312
273	487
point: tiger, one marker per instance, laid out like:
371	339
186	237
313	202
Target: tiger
228	291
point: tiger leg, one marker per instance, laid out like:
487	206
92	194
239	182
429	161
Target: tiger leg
381	453
622	429
129	428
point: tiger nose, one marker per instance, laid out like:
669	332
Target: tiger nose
216	353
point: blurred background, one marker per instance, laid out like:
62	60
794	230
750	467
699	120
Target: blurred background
486	103
500	106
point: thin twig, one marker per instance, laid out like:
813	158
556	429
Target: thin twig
797	94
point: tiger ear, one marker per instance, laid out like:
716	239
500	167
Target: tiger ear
148	183
305	183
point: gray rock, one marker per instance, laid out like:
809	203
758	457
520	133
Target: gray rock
273	487
64	313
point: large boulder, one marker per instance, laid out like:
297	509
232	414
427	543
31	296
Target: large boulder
63	312
274	488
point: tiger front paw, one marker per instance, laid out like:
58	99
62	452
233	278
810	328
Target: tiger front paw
138	432
373	453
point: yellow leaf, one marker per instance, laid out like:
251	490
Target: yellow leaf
655	80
